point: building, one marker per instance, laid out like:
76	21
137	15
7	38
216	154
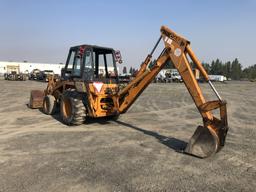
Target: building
24	67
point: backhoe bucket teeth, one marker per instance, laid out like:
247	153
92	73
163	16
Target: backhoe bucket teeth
203	143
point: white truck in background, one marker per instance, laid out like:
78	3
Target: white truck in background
13	73
219	78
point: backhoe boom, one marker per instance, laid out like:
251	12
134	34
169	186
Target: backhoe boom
210	137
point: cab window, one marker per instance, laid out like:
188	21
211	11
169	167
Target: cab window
77	66
71	59
88	69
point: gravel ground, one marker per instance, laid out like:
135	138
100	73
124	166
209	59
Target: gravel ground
136	153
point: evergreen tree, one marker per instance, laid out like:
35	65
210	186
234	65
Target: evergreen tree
130	71
216	67
236	70
213	68
169	65
207	67
228	69
124	70
249	72
133	72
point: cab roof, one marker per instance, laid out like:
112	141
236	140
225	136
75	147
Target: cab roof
91	46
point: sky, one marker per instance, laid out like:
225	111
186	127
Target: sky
43	30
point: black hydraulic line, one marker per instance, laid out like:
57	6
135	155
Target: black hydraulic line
153	64
153	50
163	51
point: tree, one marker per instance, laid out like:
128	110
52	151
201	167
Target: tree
216	67
236	70
130	71
124	70
134	72
227	69
249	72
207	67
169	64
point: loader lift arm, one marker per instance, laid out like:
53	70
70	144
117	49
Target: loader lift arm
207	139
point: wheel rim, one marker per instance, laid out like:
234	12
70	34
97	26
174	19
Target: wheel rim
46	105
67	108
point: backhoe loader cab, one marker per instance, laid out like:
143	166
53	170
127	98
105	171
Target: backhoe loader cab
88	86
91	64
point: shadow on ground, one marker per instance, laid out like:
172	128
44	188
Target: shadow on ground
173	143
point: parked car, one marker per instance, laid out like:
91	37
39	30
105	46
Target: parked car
14	76
34	74
44	75
173	76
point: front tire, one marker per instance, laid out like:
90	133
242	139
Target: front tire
49	105
72	109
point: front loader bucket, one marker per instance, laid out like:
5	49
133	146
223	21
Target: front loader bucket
36	99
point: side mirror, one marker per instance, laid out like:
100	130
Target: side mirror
118	57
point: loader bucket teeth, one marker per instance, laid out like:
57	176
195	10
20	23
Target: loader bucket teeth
203	143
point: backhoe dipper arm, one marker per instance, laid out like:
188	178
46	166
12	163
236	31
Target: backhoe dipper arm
207	139
131	92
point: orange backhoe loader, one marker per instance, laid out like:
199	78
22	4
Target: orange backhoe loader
89	87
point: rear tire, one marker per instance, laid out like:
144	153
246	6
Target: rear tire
72	109
49	105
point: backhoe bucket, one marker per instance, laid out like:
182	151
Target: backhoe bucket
203	143
36	99
210	138
206	141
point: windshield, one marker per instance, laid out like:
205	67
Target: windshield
104	65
